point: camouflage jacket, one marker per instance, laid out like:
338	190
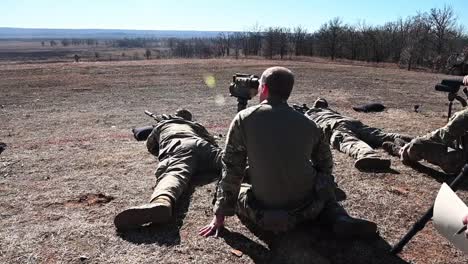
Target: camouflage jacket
175	128
287	154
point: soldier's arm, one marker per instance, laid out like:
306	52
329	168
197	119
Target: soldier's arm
234	162
201	130
323	161
152	142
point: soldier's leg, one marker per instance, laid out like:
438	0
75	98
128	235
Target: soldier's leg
173	179
173	175
375	137
348	142
208	156
423	148
456	127
250	216
343	225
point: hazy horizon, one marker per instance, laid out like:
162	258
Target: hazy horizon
119	29
210	15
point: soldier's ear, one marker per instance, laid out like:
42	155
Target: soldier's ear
264	92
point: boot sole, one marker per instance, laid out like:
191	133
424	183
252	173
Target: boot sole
136	217
372	164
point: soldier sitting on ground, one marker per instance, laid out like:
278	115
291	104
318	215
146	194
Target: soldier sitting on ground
290	168
438	147
352	137
184	148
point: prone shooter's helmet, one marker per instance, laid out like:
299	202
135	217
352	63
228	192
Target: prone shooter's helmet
184	114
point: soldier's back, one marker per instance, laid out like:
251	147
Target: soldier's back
279	143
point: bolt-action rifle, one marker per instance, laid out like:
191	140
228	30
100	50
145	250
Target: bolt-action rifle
142	133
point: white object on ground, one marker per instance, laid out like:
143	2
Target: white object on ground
449	210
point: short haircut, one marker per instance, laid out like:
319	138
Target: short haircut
279	80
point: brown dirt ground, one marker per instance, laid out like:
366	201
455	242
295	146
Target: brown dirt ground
72	164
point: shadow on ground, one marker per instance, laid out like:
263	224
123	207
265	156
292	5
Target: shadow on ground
312	245
438	175
388	170
168	234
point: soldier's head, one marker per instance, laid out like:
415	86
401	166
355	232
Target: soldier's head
184	114
276	82
320	103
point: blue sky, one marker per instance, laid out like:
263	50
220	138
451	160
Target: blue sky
217	15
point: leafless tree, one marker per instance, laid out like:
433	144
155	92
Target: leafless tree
443	23
299	37
148	54
331	36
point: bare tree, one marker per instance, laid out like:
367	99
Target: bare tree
65	42
442	23
283	41
270	42
417	42
299	40
148	54
237	39
252	44
330	36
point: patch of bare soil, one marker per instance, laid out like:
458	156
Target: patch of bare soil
68	131
90	199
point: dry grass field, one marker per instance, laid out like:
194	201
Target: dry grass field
72	163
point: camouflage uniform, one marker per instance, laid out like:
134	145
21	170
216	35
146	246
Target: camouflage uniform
350	135
290	168
438	147
184	148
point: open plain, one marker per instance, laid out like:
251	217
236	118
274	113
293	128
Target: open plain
72	163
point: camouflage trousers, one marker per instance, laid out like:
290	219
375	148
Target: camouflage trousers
184	158
357	140
438	147
271	220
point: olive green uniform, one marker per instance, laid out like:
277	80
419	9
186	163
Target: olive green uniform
350	135
290	167
184	148
438	147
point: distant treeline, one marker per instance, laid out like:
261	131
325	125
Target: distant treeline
431	40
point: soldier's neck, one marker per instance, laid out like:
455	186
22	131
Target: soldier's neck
273	100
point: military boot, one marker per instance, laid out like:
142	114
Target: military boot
391	148
345	226
405	138
400	142
372	164
159	211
